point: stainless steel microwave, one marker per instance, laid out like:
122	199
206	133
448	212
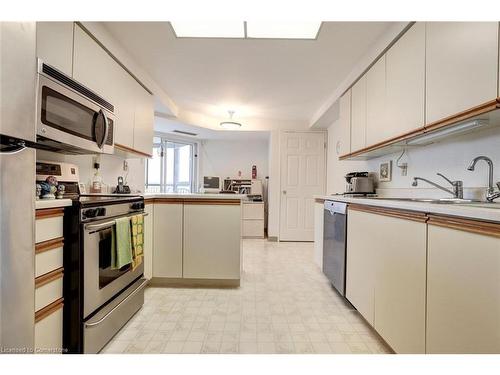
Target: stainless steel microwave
71	118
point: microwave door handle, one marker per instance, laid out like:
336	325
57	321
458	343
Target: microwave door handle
106	128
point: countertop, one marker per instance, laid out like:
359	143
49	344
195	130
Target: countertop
195	196
472	211
52	203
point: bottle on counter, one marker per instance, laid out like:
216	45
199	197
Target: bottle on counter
96	183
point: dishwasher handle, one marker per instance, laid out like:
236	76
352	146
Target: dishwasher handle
334	207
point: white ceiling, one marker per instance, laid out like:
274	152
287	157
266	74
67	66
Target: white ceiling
168	125
258	78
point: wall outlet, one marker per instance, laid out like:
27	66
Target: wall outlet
125	165
404	169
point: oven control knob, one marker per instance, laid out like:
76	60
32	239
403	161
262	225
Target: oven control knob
137	206
91	212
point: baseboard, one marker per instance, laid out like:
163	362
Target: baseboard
194	283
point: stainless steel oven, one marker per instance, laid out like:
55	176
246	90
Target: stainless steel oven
101	282
72	118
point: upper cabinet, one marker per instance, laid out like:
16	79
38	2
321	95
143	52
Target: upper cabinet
343	145
134	109
435	75
54	45
405	84
461	67
358	115
376	129
143	121
17	79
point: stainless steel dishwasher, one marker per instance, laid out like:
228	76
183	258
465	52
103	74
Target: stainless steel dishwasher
334	244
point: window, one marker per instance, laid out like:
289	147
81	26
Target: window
172	167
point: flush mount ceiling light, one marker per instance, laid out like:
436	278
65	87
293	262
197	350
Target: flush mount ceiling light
230	125
246	30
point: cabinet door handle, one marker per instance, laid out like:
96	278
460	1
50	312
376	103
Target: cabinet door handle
284	192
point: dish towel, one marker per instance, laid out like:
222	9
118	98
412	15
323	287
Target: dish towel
137	224
121	245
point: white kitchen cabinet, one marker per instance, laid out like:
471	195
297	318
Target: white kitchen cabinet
148	240
461	66
143	120
18	79
343	145
218	225
400	279
376	128
253	219
134	106
318	232
405	84
54	45
360	272
463	292
358	115
386	274
167	244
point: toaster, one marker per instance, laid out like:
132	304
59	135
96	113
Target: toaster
359	183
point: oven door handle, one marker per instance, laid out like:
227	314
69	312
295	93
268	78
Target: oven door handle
138	289
90	227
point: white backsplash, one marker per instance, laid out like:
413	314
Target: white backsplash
111	169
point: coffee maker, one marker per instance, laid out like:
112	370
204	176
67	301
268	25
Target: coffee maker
359	183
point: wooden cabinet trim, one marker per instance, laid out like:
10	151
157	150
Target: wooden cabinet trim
387	142
167	200
131	150
49	245
149	200
466	225
49	277
420	217
48	213
464	115
194	201
49	309
443	123
319	200
213	202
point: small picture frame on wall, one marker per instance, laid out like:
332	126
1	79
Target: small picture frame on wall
385	173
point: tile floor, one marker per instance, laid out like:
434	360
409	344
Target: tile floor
284	305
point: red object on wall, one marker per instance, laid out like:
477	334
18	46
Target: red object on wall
254	171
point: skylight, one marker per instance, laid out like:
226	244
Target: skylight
246	30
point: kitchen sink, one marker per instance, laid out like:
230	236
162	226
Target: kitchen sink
437	201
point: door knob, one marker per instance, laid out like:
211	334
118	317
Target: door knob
284	191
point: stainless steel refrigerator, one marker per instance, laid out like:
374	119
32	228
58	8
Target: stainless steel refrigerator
17	185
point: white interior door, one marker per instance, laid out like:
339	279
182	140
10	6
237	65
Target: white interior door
302	176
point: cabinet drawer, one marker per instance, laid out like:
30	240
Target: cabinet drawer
48	288
253	211
48	224
48	256
253	228
48	329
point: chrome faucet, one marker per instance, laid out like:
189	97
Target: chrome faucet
458	186
490	194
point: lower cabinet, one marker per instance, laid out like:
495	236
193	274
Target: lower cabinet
167	250
148	240
386	273
220	226
48	276
318	232
463	292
